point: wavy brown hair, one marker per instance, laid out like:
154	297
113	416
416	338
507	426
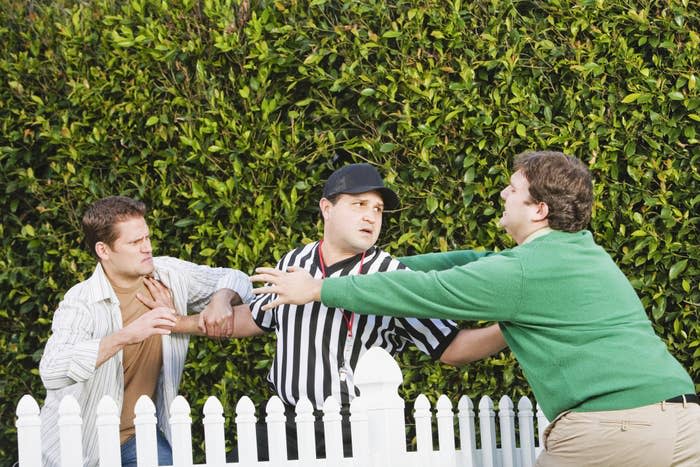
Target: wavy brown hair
563	182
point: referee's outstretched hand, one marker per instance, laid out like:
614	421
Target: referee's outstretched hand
293	287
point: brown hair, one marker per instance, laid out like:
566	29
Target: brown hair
563	182
101	217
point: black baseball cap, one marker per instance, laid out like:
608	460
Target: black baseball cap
360	178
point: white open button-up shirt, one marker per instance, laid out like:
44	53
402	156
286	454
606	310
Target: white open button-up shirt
90	311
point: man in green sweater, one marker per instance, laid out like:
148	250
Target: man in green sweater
615	395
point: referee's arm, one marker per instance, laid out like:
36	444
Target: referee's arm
243	323
473	344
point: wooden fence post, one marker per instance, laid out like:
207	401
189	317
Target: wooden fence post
245	427
145	424
181	432
28	432
542	424
306	436
108	433
467	433
360	432
446	432
527	432
424	429
333	431
506	423
276	431
214	440
378	377
70	433
488	432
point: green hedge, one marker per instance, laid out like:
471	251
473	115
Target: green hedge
225	116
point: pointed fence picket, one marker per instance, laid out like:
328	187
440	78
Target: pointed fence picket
377	426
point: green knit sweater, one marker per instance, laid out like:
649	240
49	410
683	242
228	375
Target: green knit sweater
572	319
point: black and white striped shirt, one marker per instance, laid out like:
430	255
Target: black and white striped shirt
316	355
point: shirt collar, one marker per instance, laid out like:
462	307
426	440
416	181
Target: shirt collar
537	234
102	289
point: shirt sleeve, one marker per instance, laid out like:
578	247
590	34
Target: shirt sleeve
442	261
201	281
487	289
71	352
430	336
266	320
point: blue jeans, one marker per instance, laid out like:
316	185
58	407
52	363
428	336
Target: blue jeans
165	454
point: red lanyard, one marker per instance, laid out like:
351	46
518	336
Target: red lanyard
348	316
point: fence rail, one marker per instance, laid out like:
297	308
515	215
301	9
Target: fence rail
377	426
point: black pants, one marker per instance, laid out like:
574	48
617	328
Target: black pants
291	429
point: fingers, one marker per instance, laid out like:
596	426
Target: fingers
264	277
264	290
146	301
271	271
219	327
162	313
160	320
160	293
273	304
201	324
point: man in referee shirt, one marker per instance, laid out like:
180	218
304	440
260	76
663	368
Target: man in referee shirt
318	347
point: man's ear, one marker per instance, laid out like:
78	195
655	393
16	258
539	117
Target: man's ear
102	250
324	205
542	212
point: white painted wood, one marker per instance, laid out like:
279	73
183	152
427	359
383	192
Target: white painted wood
527	433
28	432
245	425
487	426
108	433
69	427
214	439
467	433
145	424
446	432
377	426
181	429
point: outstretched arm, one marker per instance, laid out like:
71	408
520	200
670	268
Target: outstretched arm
473	344
442	261
217	319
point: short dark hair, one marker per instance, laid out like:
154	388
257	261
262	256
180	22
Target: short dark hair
563	182
101	217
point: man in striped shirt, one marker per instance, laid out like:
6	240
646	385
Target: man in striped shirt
318	348
124	331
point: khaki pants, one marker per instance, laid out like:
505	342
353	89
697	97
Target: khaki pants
658	435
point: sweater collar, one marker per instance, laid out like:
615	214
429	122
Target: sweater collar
537	234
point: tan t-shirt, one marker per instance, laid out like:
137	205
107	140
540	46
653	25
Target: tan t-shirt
141	362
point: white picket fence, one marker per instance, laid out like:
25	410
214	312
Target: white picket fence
377	426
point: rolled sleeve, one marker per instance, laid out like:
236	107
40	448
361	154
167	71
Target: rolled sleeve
71	351
239	282
83	358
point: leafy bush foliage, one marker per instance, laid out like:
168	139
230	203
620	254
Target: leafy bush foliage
225	116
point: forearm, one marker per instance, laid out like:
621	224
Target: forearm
110	345
442	261
187	325
473	344
489	289
243	323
